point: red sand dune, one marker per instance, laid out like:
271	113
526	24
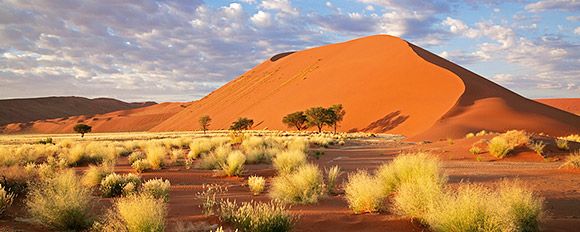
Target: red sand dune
571	105
141	119
384	83
30	109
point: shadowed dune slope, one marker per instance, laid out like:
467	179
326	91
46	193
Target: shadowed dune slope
571	105
385	84
141	119
30	109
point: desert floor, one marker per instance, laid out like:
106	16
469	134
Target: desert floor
559	187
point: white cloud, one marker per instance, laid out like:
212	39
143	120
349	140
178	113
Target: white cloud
280	5
577	31
564	5
573	18
262	19
370	8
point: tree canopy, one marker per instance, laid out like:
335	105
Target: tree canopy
242	124
204	122
296	119
82	129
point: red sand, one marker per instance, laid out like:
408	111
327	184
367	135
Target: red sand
384	83
30	109
571	105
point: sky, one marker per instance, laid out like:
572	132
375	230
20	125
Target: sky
181	50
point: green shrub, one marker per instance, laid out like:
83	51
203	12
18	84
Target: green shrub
304	186
157	188
363	192
114	185
256	184
141	165
475	150
95	174
6	200
234	163
257	216
333	174
408	168
499	147
60	202
288	161
135	213
562	144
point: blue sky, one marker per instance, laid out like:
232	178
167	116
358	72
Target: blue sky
180	50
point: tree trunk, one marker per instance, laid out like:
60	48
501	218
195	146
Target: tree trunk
82	135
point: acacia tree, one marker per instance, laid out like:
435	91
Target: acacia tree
242	124
204	122
317	116
82	129
296	119
335	115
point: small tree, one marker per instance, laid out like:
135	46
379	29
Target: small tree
317	116
204	122
296	119
242	124
82	129
336	113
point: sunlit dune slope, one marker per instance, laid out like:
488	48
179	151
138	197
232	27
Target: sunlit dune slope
30	109
571	105
141	119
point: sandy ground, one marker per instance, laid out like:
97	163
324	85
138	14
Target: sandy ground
560	188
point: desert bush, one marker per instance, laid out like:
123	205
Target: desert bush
157	188
257	216
333	174
199	146
474	208
572	137
213	159
141	165
6	199
562	144
516	138
288	161
155	156
363	192
113	185
537	146
499	147
418	197
136	155
209	202
409	168
475	150
572	161
304	186
469	135
176	155
95	174
298	144
16	178
234	163
60	202
256	184
135	214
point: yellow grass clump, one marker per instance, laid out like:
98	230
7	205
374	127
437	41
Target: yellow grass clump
135	213
363	192
233	164
288	161
303	186
156	156
256	184
409	168
572	161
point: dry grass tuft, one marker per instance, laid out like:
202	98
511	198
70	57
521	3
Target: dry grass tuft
256	184
363	192
288	161
572	161
303	186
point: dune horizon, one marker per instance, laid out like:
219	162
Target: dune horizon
385	84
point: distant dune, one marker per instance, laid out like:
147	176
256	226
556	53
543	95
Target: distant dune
571	105
31	109
384	83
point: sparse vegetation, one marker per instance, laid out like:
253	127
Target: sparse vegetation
60	202
572	161
537	146
409	168
209	202
363	192
141	165
475	150
242	124
256	184
95	174
562	144
204	122
499	147
82	129
258	217
6	199
157	188
333	174
134	214
234	163
155	156
303	186
114	185
288	161
469	135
